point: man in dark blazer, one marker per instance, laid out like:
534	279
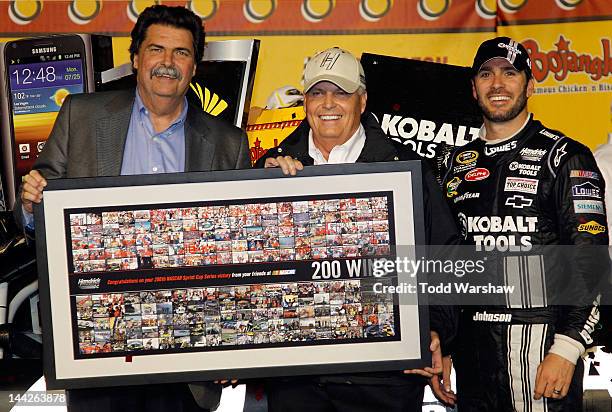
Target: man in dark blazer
148	130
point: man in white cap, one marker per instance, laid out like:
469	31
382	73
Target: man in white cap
339	130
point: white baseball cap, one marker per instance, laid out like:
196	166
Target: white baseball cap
337	66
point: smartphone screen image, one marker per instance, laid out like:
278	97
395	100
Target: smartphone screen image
37	91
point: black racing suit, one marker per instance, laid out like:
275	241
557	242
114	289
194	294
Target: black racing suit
521	196
374	391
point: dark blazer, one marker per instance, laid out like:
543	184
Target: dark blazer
88	140
89	136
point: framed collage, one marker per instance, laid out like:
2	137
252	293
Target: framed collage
241	274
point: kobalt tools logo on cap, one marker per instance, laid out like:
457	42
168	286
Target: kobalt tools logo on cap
592	227
93	283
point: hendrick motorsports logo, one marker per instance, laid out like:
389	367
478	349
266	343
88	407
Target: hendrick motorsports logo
93	283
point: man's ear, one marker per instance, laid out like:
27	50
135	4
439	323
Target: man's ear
530	87
474	90
135	62
363	99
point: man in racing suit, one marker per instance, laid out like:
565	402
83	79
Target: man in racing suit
519	187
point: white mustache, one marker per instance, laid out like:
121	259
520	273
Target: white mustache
168	71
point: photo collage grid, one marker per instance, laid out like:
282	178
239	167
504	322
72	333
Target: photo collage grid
229	234
174	320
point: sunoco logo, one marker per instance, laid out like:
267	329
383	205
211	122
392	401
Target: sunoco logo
492	317
592	227
93	283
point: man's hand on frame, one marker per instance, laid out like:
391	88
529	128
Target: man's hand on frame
288	164
32	189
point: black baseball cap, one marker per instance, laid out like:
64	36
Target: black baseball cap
505	48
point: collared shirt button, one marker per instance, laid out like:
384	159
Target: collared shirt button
155	168
396	158
279	150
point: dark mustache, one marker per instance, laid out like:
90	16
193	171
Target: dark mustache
170	71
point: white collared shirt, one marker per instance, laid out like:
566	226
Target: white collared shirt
348	152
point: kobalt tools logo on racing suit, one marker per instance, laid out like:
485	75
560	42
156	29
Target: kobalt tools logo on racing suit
93	283
586	189
494	150
592	227
532	155
479	173
499	231
424	135
521	184
525	169
492	317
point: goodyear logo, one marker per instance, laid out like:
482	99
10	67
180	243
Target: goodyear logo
592	227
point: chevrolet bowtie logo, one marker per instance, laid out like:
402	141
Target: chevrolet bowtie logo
518	201
211	102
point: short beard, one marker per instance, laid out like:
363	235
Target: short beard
510	114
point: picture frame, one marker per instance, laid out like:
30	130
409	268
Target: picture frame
246	273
